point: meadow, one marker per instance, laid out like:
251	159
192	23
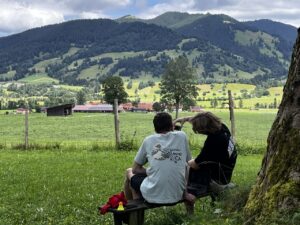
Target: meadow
60	187
96	130
65	182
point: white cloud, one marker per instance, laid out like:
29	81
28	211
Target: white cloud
19	15
279	10
92	15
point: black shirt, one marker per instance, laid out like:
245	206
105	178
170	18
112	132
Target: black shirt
217	158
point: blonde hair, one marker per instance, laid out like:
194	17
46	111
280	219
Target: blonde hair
206	123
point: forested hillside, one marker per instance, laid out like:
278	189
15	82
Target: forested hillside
218	47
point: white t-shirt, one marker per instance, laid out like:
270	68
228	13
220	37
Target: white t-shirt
167	156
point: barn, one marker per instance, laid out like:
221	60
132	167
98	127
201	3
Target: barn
60	110
95	108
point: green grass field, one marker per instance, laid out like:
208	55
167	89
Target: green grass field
96	129
80	170
61	187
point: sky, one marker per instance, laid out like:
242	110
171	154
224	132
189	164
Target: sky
20	15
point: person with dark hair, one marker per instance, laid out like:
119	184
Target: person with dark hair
167	154
214	165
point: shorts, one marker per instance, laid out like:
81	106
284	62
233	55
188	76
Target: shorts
136	181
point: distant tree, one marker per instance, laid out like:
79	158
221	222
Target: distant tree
178	82
187	103
151	83
157	107
214	103
241	103
136	101
113	88
81	97
129	85
141	85
275	103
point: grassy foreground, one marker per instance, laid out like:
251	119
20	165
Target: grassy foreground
61	187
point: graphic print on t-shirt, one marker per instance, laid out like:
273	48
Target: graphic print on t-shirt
167	153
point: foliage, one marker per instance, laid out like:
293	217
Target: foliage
158	107
80	97
178	82
113	88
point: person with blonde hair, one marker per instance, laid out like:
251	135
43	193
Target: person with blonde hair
217	158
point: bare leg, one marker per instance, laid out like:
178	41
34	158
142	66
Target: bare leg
189	203
127	189
130	193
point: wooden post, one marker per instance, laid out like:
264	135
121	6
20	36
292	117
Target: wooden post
232	120
116	117
26	128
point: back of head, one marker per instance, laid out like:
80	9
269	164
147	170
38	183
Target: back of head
206	123
162	122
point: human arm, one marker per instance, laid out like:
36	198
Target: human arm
182	120
138	169
193	164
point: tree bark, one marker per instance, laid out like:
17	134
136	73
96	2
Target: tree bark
176	109
277	189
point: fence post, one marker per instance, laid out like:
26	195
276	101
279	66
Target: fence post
26	128
231	112
116	117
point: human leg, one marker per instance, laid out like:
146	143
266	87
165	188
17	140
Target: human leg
189	202
127	188
132	184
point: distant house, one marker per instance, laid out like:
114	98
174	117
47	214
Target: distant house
60	110
142	107
21	110
102	108
127	106
196	109
147	106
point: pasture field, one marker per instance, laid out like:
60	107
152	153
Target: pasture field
96	130
63	187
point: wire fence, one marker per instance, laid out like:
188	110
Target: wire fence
96	130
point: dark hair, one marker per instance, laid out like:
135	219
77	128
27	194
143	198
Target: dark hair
206	123
162	122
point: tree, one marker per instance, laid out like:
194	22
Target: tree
277	189
80	97
129	85
187	103
241	103
178	82
113	88
157	107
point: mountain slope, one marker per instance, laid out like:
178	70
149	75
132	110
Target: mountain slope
93	37
219	48
287	32
242	40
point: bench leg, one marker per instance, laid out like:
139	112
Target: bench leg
137	217
118	219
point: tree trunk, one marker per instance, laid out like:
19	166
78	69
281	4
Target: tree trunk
176	109
277	189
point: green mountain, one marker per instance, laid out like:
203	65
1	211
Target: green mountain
220	48
284	31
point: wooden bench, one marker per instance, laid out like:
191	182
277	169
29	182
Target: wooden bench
134	212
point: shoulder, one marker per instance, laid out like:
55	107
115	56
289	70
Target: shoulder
178	133
150	137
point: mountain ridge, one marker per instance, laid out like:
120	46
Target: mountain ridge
219	47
